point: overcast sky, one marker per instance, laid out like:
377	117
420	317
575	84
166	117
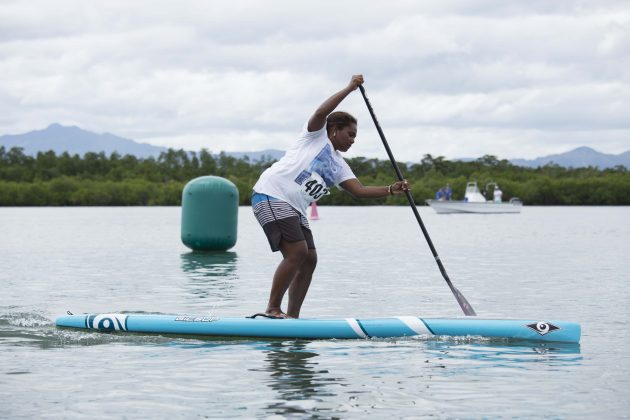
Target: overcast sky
510	78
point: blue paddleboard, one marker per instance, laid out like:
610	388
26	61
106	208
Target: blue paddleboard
343	328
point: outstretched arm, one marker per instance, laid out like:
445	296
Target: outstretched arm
318	119
358	190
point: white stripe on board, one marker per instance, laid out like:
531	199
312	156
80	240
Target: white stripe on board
415	324
356	327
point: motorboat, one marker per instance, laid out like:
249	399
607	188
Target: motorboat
475	202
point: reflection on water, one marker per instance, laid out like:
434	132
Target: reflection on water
499	353
295	375
212	274
303	382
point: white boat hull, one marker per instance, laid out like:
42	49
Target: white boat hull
488	207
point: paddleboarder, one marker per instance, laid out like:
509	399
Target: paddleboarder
306	173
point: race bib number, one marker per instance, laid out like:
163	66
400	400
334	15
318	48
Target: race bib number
313	188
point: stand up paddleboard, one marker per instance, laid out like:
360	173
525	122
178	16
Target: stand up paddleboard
345	328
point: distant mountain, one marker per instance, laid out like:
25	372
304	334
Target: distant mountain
75	140
580	157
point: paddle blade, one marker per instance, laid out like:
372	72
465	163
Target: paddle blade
463	303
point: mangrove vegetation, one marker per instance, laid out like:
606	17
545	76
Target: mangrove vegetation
96	179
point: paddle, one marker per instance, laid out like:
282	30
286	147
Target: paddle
466	307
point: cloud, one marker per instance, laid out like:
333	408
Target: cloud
509	78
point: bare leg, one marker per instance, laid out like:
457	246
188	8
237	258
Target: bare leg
294	253
300	284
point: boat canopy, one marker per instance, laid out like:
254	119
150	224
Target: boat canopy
472	194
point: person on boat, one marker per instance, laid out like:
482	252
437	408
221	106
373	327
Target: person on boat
439	194
498	194
448	193
307	172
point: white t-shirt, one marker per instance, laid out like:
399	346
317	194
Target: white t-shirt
306	172
498	194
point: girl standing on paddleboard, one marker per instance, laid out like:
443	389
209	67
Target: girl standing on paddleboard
303	175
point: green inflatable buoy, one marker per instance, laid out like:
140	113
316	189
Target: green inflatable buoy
209	214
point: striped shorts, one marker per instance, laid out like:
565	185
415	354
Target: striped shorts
281	221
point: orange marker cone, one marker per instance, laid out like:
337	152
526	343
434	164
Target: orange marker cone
314	215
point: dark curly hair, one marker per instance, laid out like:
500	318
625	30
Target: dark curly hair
338	120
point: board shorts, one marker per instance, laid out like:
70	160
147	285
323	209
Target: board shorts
280	220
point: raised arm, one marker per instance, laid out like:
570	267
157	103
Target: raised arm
355	188
318	119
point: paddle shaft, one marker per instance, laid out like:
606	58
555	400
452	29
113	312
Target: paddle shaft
463	303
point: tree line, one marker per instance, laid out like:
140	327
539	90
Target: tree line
96	179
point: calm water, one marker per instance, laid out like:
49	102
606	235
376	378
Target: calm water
569	263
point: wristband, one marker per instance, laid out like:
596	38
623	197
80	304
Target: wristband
389	189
